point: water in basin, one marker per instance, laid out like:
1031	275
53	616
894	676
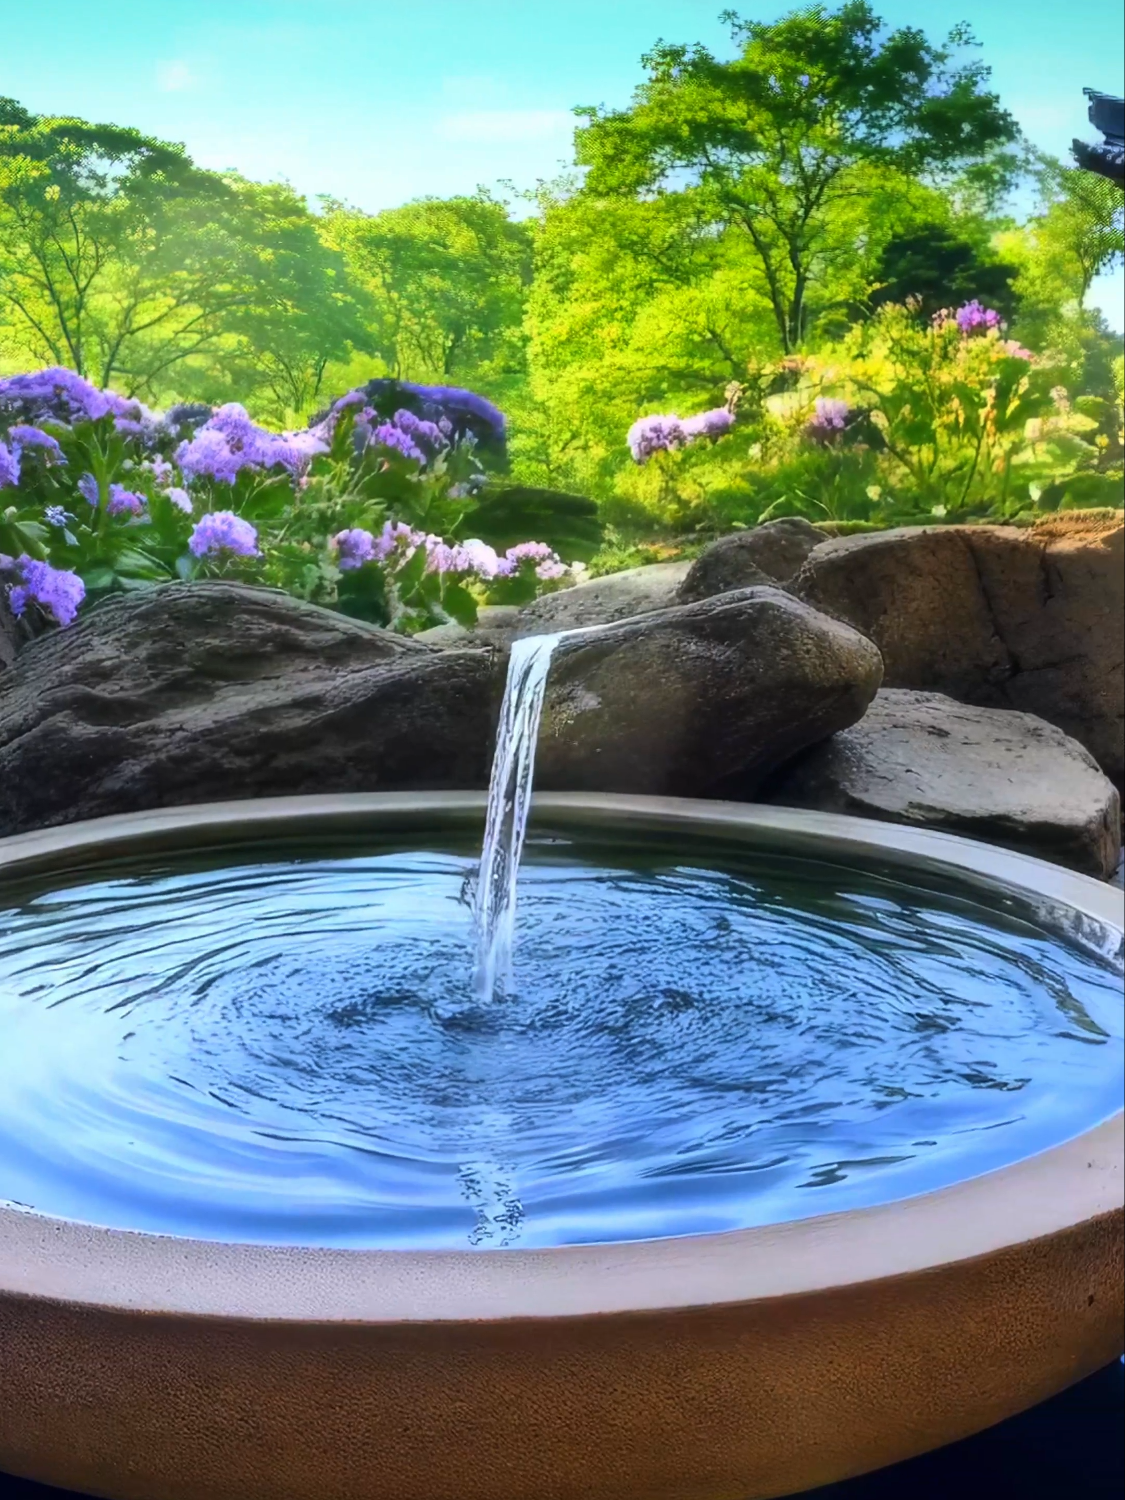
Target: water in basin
285	1043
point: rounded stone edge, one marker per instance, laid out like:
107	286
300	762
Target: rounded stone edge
1075	1183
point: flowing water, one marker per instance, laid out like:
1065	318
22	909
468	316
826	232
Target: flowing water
509	802
272	1045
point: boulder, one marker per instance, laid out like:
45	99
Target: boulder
773	552
617	596
988	773
211	691
701	699
10	637
1005	617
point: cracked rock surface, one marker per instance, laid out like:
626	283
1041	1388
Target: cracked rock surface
1000	616
985	773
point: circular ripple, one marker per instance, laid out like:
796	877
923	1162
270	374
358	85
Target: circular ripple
284	1052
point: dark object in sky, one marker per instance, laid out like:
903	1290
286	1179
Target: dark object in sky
1107	115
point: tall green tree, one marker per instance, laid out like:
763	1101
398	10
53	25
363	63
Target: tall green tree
447	279
1081	225
124	261
775	142
111	243
300	310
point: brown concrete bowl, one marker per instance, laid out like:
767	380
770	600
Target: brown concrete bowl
720	1367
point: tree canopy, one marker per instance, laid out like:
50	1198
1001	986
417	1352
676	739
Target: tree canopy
809	113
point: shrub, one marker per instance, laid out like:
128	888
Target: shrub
378	509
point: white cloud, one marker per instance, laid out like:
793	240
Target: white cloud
173	77
486	126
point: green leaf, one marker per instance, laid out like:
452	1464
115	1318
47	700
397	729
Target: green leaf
459	604
97	579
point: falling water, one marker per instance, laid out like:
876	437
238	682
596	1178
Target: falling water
509	800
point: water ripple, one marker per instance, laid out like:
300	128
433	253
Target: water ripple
289	1052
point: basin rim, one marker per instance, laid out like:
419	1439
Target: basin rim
1073	1183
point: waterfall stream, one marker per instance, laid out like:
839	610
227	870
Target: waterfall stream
509	801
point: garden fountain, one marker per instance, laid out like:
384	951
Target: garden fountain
788	1145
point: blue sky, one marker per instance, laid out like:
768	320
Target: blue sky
377	102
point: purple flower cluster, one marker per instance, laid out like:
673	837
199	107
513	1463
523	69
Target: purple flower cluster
230	441
180	499
9	465
356	548
87	487
124	502
353	549
548	564
62	396
663	434
222	531
23	436
655	434
708	424
829	419
464	411
973	318
455	413
57	591
969	319
414	437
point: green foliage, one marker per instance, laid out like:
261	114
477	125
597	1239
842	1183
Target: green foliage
935	267
817	107
789	219
122	260
569	524
447	280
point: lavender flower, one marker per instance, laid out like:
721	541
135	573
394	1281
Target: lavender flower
655	434
55	515
423	433
353	548
87	487
387	435
9	466
708	424
465	411
222	531
475	556
829	419
34	437
208	455
295	450
231	441
124	502
179	498
973	318
548	564
58	592
63	396
396	536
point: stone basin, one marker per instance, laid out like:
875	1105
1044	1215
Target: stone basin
730	1366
